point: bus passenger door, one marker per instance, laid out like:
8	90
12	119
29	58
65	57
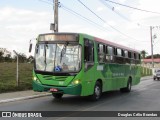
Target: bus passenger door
89	68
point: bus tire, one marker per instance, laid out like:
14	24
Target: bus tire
57	95
97	91
128	88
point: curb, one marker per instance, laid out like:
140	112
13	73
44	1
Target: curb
147	78
24	98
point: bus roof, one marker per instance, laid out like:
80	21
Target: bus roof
113	44
98	40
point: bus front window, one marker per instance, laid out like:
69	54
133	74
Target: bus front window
58	57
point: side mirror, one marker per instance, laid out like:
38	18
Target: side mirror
30	47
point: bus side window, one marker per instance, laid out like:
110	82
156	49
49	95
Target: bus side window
88	51
138	58
123	54
119	52
115	51
101	53
126	55
135	57
129	55
88	54
110	53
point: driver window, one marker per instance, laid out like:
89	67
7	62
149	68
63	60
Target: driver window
88	50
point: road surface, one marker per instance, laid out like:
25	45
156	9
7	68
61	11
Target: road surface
143	97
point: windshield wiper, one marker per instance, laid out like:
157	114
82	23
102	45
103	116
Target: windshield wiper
45	61
63	51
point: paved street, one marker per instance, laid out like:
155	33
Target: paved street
144	97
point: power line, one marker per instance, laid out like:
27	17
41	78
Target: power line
106	22
49	3
132	7
113	10
91	22
91	10
76	14
82	17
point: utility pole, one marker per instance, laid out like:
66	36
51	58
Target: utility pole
151	46
55	15
17	79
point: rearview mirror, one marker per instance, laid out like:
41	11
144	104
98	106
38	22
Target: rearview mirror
30	47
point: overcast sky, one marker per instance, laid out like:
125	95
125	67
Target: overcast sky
22	20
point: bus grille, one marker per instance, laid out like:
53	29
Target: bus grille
55	78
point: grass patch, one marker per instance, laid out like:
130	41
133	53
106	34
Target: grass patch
8	77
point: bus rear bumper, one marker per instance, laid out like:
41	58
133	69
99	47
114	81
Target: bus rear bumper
73	90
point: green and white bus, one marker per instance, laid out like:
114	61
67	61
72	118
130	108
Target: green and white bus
80	64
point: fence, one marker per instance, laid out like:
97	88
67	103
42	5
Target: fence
146	71
8	76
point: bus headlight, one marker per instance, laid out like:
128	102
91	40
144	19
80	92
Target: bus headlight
36	79
75	82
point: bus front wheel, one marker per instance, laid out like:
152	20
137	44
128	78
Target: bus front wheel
57	95
97	91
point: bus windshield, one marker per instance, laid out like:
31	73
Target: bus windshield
58	57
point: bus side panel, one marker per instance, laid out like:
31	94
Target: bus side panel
109	83
88	82
137	75
116	76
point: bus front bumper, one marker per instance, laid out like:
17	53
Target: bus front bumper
73	90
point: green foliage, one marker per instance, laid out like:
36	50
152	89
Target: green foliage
8	77
22	57
143	54
154	56
146	71
1	56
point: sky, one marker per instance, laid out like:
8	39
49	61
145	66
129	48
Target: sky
22	21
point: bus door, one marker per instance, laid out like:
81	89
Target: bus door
89	68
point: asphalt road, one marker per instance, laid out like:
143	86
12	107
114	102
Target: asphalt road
143	97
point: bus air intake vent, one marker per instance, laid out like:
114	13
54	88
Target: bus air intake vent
55	78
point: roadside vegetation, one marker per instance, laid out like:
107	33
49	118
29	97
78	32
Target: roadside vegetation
146	71
8	71
8	76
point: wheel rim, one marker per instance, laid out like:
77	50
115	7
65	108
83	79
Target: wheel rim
97	92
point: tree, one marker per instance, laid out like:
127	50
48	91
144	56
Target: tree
143	54
21	56
154	56
1	56
8	58
30	59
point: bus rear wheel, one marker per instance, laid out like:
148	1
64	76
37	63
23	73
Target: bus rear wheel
57	95
128	88
97	91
